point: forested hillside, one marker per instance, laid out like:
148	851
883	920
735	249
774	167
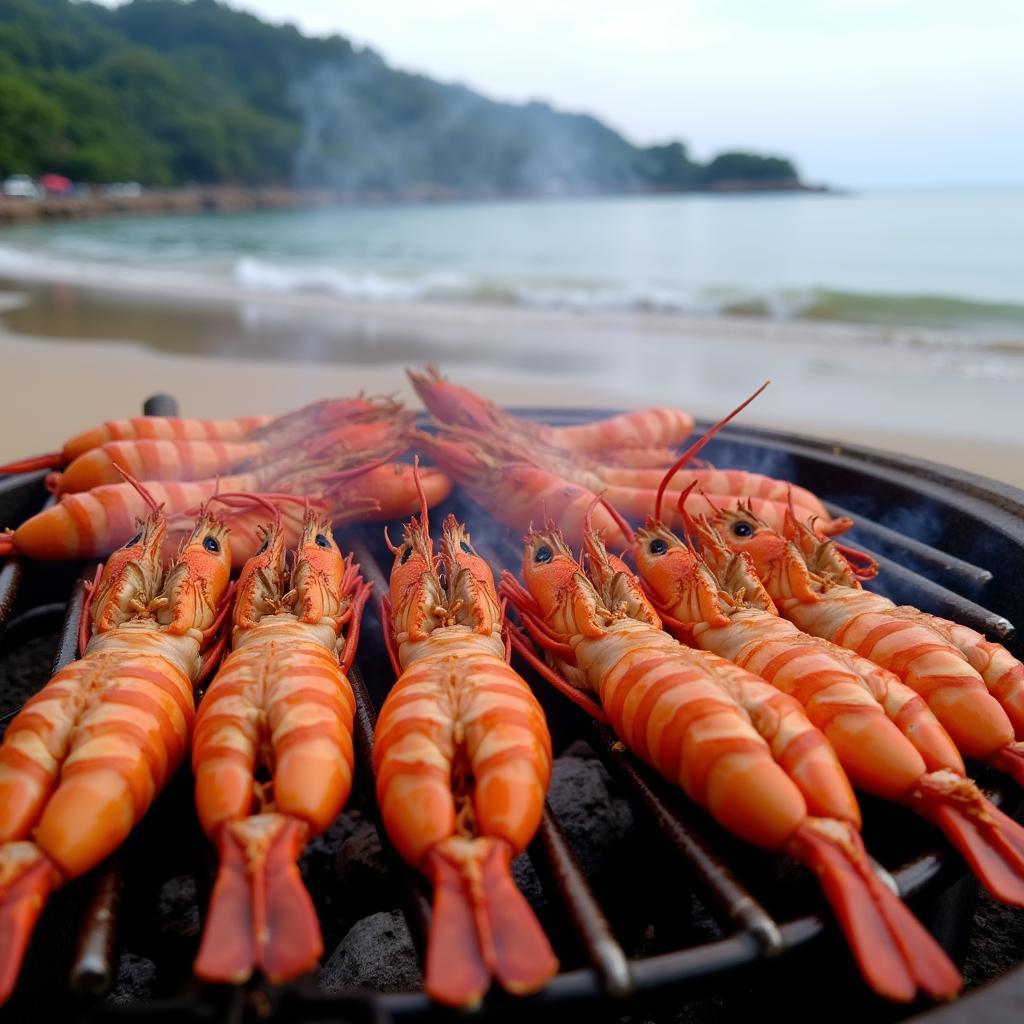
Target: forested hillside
167	92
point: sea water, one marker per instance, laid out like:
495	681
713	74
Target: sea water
951	258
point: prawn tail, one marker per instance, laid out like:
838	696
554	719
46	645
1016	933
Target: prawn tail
895	953
261	915
990	841
482	926
27	877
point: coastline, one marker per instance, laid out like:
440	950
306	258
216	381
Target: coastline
237	198
79	353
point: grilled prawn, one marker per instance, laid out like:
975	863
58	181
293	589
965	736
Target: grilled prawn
272	754
463	760
974	687
340	426
92	523
276	431
649	435
524	477
738	747
885	735
84	759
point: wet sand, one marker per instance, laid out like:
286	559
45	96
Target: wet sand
74	354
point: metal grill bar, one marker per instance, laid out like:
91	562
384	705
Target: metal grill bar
925	554
20	495
905	584
67	644
94	968
369	566
591	925
10	580
416	906
95	965
832	466
728	895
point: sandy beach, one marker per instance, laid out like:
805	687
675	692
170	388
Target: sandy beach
75	354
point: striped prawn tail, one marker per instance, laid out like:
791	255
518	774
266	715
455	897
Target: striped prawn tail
27	877
990	841
895	953
260	915
482	926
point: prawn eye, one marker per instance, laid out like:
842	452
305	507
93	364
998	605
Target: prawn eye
742	529
657	546
321	541
543	554
134	540
405	556
465	547
211	544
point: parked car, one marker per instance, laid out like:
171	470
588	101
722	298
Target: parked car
123	189
56	184
21	186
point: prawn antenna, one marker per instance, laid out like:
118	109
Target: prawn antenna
696	447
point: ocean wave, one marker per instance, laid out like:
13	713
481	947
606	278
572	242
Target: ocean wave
994	325
574	296
262	275
893	310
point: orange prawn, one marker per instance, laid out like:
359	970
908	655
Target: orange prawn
885	735
314	417
153	459
463	760
93	523
272	753
520	488
656	428
818	589
84	759
738	747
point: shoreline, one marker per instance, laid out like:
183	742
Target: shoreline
237	199
83	353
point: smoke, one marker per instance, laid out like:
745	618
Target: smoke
369	129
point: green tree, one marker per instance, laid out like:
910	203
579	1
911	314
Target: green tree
30	126
748	167
172	91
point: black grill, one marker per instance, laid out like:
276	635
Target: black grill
687	922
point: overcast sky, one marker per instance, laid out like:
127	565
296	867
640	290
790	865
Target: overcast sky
858	92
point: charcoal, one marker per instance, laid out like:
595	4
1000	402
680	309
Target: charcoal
135	977
593	816
319	861
525	877
362	869
22	672
996	943
177	908
348	876
581	749
376	953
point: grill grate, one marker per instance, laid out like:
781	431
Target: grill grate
934	529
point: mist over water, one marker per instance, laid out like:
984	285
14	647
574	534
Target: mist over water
928	259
